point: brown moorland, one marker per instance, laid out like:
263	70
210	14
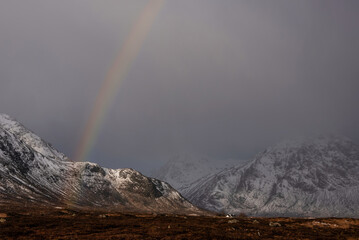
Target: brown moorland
62	223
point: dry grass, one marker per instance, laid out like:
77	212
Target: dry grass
70	224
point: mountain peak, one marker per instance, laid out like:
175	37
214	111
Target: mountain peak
310	177
32	171
182	170
6	120
324	148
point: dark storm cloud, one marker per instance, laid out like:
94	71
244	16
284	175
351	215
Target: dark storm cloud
223	78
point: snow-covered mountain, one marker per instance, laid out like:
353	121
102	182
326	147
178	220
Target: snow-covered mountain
184	169
31	170
307	177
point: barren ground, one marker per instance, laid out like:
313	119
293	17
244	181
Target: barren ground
40	223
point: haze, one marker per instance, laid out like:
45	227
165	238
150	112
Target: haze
220	78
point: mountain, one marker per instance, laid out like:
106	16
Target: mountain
182	170
32	171
306	177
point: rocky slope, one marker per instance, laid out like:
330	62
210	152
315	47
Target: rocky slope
32	171
306	177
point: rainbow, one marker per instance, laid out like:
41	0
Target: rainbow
115	76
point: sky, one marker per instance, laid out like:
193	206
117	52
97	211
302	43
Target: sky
220	78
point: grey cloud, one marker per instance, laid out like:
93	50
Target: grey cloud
224	78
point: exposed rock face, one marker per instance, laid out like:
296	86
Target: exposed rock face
31	170
307	177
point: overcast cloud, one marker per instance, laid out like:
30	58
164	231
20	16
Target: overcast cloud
221	78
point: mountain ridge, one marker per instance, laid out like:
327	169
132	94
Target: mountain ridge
315	177
184	169
32	171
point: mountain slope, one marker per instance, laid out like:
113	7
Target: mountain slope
311	177
31	170
184	169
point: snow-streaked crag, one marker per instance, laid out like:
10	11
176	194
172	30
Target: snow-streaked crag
307	177
31	170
